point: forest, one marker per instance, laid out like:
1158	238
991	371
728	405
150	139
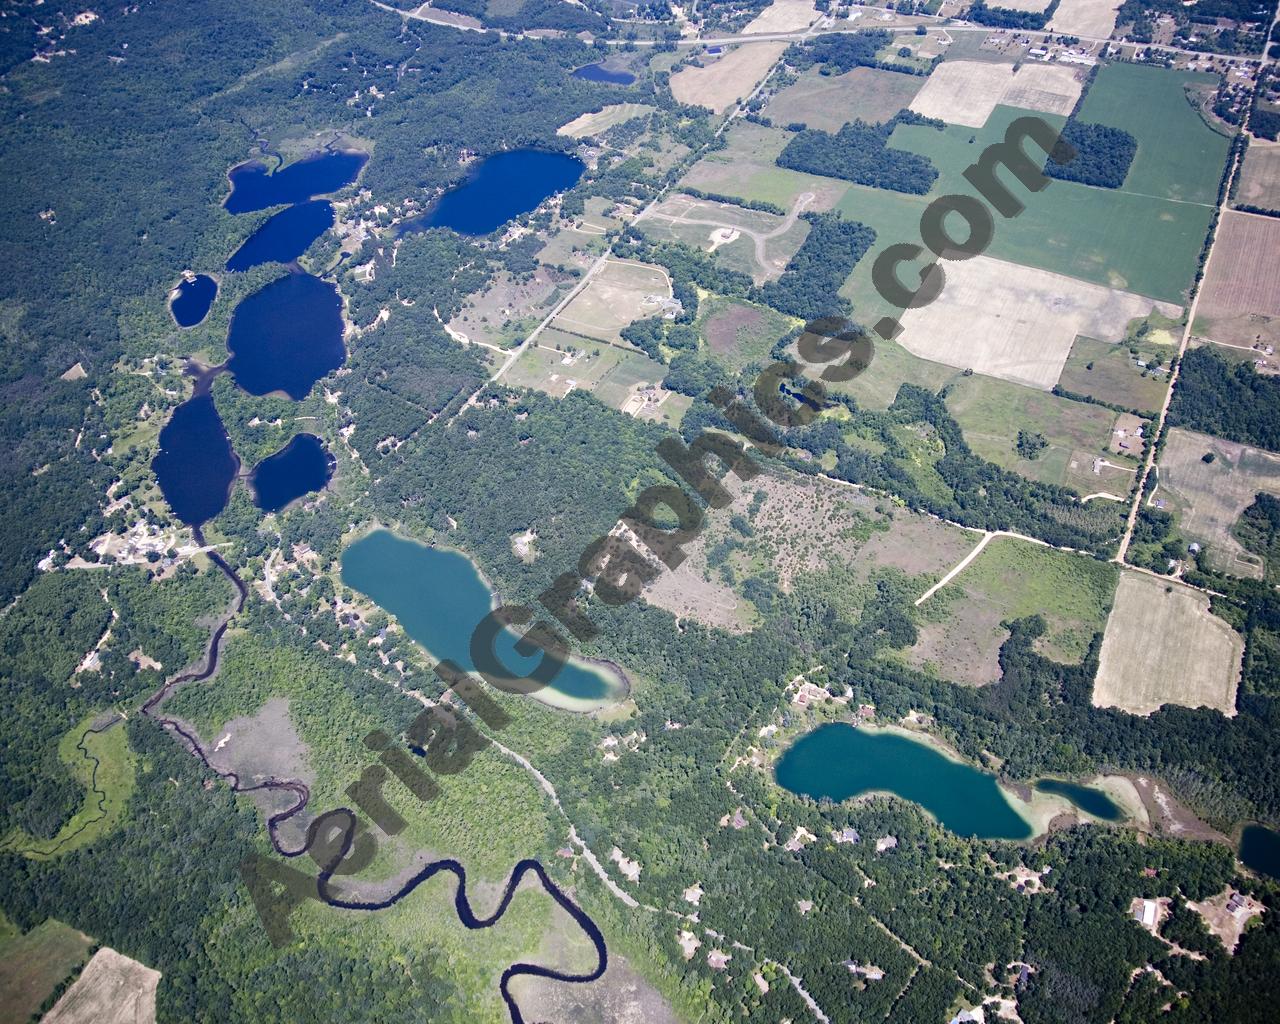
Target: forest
1102	155
860	152
1231	401
1006	17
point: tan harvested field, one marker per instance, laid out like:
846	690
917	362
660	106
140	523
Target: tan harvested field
508	308
966	92
1260	176
1096	18
111	990
602	120
803	526
1240	303
1162	646
620	294
726	79
1016	322
783	16
1209	497
829	102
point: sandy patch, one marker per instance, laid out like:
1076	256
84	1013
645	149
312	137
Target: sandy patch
1094	18
1016	322
966	92
1162	646
727	79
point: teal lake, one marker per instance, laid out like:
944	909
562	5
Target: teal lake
439	598
839	762
1091	801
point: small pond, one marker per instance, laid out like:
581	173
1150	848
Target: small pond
195	466
599	73
191	300
300	467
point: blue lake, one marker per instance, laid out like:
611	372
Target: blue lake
192	299
500	188
439	598
195	466
599	73
1091	801
286	336
300	467
839	762
284	237
254	187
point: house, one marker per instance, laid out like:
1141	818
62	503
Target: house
1146	913
846	835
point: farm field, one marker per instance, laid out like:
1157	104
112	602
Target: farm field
726	79
1209	497
964	92
1015	322
1260	175
621	293
783	16
746	168
112	989
991	412
1162	646
602	120
1095	18
750	241
740	333
1240	304
1179	156
959	625
32	965
829	102
1108	372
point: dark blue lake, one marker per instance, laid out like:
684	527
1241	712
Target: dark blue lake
192	299
286	236
254	187
1260	850
286	336
195	465
300	467
599	73
500	188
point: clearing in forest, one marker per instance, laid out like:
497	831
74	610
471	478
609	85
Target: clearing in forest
620	293
739	333
1095	19
602	120
964	92
1016	322
1163	646
829	102
509	307
1240	304
1209	496
727	79
112	989
960	627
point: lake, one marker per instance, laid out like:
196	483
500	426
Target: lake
284	237
498	189
439	598
192	299
300	467
1260	850
254	187
839	762
286	336
1091	801
599	73
195	466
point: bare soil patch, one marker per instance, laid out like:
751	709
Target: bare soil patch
1163	646
1240	304
727	79
1016	322
1227	915
112	990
